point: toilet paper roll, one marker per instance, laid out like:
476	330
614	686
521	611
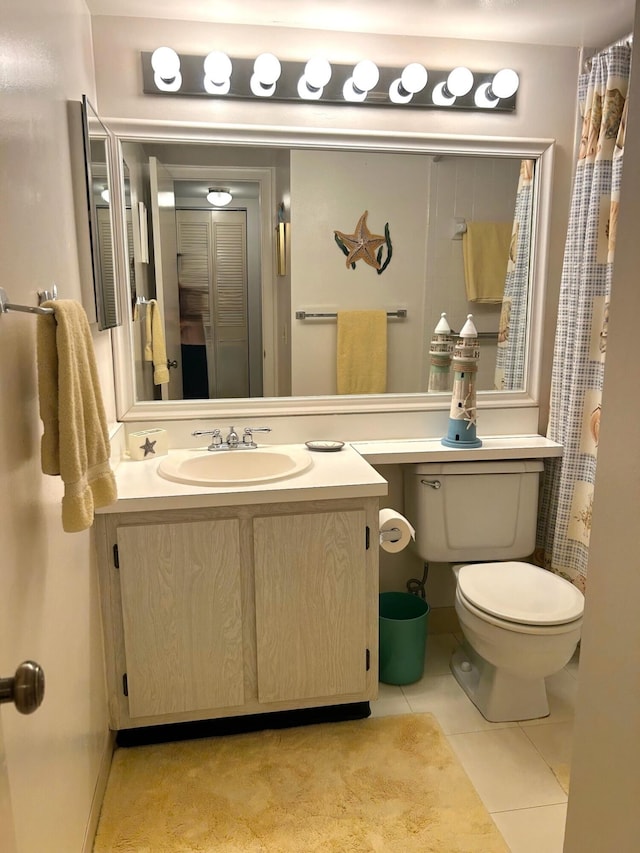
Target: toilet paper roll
392	521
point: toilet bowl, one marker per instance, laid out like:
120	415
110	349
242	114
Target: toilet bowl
521	624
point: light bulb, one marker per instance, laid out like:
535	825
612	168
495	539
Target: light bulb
441	96
266	72
460	81
484	97
267	68
505	83
414	78
166	67
105	195
350	93
219	197
365	75
217	73
317	73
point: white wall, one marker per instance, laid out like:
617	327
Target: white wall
467	188
330	190
48	592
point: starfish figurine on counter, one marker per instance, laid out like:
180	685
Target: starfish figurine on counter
362	244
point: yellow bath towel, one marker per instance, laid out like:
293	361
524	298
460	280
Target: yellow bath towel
362	352
485	247
155	347
75	443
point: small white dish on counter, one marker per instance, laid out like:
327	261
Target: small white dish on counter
325	445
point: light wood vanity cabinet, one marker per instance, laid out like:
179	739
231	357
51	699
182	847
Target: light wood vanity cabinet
223	611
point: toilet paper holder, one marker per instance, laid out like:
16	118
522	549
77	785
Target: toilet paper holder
392	535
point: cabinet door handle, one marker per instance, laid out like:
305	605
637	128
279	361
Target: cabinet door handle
25	689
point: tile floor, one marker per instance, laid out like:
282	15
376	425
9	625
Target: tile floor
520	770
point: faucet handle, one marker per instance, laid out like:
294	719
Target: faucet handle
216	438
247	437
213	432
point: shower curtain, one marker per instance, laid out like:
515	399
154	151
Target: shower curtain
512	328
581	336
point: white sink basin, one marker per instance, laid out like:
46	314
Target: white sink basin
233	467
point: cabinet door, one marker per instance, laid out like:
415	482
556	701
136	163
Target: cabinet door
310	576
182	616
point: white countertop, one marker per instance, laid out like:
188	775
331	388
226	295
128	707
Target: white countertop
343	474
406	451
347	473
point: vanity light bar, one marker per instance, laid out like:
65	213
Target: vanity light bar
338	84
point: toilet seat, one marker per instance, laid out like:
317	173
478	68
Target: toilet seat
520	594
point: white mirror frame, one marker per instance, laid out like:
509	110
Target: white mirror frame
542	150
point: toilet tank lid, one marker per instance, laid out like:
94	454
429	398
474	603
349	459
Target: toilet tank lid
520	592
485	466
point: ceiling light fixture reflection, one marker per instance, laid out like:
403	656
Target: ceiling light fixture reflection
266	73
317	73
105	195
217	73
412	80
166	69
458	83
219	197
504	84
364	77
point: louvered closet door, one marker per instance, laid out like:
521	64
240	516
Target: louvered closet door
213	271
106	265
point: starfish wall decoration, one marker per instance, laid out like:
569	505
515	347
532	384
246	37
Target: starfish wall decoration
362	245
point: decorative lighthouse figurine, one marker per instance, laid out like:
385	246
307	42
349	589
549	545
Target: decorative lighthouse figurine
462	417
440	356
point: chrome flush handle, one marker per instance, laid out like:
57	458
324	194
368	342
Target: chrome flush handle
434	484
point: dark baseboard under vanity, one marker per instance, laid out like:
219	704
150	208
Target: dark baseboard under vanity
239	725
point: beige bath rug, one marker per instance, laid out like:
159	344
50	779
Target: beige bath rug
387	784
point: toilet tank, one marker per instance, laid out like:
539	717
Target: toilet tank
473	511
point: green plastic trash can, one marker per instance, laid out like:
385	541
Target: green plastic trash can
403	636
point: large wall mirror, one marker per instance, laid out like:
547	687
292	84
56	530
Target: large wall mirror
249	292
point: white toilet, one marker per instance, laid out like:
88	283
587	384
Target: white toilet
521	623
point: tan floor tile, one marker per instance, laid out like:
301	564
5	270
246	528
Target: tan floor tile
442	696
554	743
537	830
390	701
507	770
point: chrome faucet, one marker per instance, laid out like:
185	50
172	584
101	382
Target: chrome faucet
232	441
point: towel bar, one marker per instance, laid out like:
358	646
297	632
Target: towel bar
43	296
481	336
401	314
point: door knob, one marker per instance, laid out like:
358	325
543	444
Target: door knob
25	689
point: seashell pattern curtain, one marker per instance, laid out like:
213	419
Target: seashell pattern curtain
512	327
581	336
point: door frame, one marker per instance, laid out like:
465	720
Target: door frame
265	178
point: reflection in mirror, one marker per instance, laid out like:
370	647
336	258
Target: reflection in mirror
243	323
99	196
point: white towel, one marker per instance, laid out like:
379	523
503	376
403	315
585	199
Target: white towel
155	347
75	443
